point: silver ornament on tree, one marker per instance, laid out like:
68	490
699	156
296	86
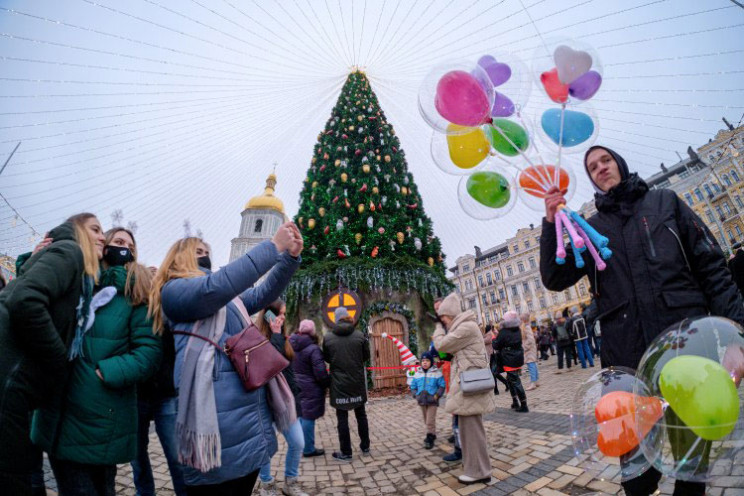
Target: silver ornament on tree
370	222
417	243
339	225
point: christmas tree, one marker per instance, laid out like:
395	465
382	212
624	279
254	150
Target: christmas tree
361	215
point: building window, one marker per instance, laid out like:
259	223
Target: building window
538	285
699	194
471	303
489	280
258	226
707	189
726	179
582	289
509	271
554	297
738	230
457	288
716	188
688	197
515	292
520	266
480	281
708	214
735	176
525	287
530	307
516	248
497	275
493	296
526	243
730	235
502	296
568	294
719	211
537	239
484	298
542	302
488	317
533	264
738	201
466	268
727	208
518	308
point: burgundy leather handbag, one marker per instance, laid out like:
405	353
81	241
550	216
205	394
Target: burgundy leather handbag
254	357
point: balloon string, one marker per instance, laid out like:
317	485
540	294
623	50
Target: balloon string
521	153
560	143
543	172
684	458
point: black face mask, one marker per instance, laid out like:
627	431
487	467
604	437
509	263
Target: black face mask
204	262
117	255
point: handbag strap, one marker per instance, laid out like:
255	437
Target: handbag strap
243	311
185	333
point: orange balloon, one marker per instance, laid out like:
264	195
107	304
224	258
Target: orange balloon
531	178
616	415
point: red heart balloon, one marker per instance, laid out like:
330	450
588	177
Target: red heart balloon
616	415
557	91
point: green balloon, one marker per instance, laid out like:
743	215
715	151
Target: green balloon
702	394
489	188
502	131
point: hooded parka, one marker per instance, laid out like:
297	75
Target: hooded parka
347	350
310	374
665	266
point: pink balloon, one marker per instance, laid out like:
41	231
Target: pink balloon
461	100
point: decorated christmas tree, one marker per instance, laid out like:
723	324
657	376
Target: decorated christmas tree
361	214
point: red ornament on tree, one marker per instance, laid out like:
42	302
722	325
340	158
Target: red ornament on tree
326	230
340	253
357	152
363	188
344	136
335	199
322	168
412	207
375	251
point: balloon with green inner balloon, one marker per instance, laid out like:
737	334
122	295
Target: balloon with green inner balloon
487	194
507	137
702	394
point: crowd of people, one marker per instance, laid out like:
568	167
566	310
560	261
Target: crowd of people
95	347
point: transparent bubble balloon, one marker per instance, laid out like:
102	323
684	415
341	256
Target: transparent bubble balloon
536	178
603	426
489	193
696	367
567	71
576	129
456	93
461	154
511	80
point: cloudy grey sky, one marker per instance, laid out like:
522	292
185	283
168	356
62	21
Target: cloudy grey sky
172	109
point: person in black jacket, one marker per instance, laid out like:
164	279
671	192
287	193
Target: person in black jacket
736	266
590	315
561	332
346	350
666	266
508	344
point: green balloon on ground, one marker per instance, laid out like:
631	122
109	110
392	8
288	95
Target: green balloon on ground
489	188
502	131
702	394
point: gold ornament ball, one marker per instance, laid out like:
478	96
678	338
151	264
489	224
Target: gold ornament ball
360	208
344	177
314	160
321	211
378	158
351	128
404	190
387	158
360	118
375	190
337	162
366	168
400	238
358	238
430	261
315	184
311	223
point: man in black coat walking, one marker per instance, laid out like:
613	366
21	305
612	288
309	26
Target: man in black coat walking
666	266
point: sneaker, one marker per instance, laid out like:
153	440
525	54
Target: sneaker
454	457
341	457
317	452
292	488
267	489
365	451
466	479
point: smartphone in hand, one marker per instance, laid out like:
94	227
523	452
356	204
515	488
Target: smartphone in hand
269	316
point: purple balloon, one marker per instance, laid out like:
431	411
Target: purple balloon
502	106
586	85
498	72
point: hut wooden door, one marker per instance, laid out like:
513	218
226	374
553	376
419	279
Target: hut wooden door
385	354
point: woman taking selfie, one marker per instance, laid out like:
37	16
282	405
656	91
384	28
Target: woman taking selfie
95	425
224	432
38	320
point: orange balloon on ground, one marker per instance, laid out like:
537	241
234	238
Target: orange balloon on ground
616	415
532	179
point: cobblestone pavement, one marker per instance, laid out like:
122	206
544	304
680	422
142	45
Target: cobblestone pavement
531	453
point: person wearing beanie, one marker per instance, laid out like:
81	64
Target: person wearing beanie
508	344
459	334
529	345
312	379
666	266
427	387
580	334
347	350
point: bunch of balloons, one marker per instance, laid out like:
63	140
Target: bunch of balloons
680	412
476	111
581	236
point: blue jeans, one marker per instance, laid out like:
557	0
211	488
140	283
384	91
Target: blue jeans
585	353
532	366
308	430
295	444
163	412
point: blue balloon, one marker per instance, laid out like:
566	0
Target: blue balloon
577	126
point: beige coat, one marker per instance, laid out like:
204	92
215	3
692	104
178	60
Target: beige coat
528	344
465	341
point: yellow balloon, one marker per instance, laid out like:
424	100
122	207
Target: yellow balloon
469	149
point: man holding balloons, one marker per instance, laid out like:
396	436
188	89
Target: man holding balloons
666	266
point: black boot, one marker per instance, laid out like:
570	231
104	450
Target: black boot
523	407
429	441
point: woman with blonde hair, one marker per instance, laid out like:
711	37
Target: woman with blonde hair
224	433
41	312
94	427
529	345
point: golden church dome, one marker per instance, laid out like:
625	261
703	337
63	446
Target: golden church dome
267	200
